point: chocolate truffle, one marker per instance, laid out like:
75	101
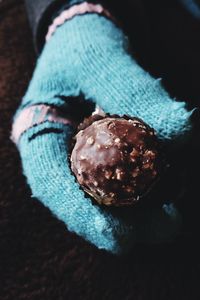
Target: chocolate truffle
115	159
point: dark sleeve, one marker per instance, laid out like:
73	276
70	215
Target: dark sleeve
42	12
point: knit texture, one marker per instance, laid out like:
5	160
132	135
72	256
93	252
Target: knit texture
89	55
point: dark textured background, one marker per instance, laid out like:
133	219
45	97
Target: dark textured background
39	258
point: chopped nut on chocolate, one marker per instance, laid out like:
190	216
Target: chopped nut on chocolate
120	157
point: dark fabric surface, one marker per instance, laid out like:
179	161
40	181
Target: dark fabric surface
39	258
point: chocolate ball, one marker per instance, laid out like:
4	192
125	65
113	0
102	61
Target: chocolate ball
115	159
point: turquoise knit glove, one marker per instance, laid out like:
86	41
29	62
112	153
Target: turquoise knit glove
89	55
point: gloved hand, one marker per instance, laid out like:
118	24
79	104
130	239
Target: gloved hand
89	55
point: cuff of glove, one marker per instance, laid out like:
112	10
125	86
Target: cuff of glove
79	9
34	115
42	13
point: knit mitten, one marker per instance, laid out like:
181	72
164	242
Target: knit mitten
88	54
